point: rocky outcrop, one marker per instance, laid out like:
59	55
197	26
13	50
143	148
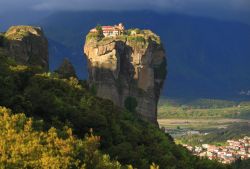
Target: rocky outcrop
129	70
27	45
66	70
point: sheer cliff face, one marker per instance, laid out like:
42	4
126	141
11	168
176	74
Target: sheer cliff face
128	67
27	45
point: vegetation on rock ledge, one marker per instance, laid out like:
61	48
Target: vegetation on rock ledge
131	35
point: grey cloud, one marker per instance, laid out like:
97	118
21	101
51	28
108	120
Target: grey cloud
140	4
124	4
236	9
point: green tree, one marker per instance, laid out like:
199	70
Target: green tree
131	104
99	30
66	70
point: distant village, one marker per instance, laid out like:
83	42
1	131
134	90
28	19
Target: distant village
235	149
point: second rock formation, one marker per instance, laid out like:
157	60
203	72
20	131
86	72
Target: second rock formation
28	45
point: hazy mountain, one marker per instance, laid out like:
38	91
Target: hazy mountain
206	57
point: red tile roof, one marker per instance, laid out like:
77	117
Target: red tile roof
107	27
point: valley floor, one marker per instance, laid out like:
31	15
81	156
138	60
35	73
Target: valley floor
204	121
216	129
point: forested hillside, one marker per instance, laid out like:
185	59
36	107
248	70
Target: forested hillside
69	102
24	145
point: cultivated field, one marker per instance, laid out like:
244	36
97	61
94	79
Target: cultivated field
198	124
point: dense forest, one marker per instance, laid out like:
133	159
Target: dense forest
24	145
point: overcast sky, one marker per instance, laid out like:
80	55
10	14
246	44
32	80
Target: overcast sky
227	9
